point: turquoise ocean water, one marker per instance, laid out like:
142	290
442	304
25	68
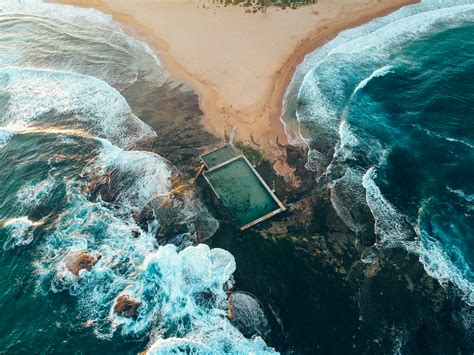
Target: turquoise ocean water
73	175
388	111
386	108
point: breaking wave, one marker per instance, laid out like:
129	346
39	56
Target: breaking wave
368	105
87	203
33	97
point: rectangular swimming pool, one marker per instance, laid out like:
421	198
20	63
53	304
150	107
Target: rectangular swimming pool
218	156
243	192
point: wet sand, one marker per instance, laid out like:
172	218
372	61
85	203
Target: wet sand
239	63
305	266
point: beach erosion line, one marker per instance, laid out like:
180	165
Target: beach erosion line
350	62
258	114
102	230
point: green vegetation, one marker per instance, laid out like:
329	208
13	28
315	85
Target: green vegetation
261	4
252	154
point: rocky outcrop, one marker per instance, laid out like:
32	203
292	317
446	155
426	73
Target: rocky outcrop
246	314
126	307
327	289
81	261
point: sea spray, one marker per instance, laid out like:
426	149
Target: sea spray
110	55
81	206
184	291
20	232
383	109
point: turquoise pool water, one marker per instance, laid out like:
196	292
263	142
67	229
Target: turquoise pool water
241	191
218	156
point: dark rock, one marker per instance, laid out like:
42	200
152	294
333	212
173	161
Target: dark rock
135	215
246	314
172	110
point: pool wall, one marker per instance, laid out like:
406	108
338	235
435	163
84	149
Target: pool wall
277	200
219	156
267	189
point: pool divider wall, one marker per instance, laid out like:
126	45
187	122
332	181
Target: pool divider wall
240	155
277	200
225	163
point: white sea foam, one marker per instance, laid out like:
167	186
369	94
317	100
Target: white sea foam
173	287
20	232
37	96
436	260
439	265
348	195
73	14
34	192
318	81
348	142
375	74
347	198
400	341
468	198
88	226
449	139
390	225
5	135
393	229
129	256
112	56
318	97
151	173
212	333
460	141
181	291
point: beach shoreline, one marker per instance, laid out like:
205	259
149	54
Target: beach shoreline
227	98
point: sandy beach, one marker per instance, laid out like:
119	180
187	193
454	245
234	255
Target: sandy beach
117	239
239	63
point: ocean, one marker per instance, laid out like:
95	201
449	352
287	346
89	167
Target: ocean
387	111
79	179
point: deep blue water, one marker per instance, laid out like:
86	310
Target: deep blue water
427	126
388	110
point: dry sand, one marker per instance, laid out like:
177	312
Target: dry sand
239	63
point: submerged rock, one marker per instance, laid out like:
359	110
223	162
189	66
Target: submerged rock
126	307
81	261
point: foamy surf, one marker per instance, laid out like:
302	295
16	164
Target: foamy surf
20	232
328	90
33	95
320	68
73	177
5	135
113	57
173	285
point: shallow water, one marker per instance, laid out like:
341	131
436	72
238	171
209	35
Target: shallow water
72	180
387	110
242	192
